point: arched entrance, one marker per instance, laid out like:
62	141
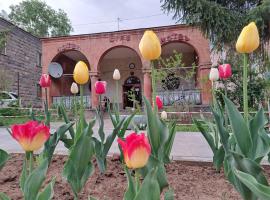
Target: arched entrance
60	88
132	92
128	62
180	84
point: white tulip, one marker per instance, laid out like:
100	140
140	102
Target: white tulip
74	88
116	75
163	115
214	74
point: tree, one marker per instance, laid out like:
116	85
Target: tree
221	20
36	17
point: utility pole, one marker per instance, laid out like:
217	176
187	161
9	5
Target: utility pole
118	23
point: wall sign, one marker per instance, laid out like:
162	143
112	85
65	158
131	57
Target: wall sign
174	37
69	46
117	38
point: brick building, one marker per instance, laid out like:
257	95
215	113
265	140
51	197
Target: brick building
20	61
103	52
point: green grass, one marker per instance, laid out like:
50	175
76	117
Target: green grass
186	128
10	121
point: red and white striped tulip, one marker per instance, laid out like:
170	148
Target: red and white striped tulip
100	87
45	81
225	71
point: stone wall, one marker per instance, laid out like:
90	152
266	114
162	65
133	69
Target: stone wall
20	61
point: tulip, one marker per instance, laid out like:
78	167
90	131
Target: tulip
149	46
163	115
116	75
30	135
100	87
74	88
45	81
214	74
248	40
225	71
159	102
136	150
81	73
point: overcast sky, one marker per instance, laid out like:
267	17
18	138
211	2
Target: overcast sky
91	16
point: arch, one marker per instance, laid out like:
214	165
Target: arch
111	49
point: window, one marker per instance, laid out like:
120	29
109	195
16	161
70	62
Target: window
39	59
39	93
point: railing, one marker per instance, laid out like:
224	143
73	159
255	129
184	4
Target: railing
68	101
180	97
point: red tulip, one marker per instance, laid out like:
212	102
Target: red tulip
225	71
45	81
100	87
159	102
30	135
136	150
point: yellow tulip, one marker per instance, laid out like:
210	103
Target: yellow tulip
248	41
149	46
81	73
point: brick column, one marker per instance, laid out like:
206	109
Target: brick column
94	97
147	84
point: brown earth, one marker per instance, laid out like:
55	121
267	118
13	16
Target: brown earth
190	181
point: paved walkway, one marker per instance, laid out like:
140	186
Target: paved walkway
187	146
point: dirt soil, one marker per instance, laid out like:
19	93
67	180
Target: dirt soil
190	181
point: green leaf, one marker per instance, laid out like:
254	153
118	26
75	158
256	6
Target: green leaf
150	188
131	190
260	190
239	128
3	196
47	193
23	175
169	142
128	120
64	114
34	181
51	144
3	158
79	167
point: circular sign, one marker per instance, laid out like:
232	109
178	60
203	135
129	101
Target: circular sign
55	70
131	66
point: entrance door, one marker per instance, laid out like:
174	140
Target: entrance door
131	91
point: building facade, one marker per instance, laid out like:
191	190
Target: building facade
103	52
20	63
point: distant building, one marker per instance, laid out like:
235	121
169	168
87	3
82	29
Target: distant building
20	60
103	52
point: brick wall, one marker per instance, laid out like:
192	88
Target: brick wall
21	61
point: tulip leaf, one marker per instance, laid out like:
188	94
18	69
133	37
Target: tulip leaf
131	190
23	175
260	190
34	181
101	125
79	167
3	196
218	158
64	114
51	144
47	193
149	189
169	142
3	158
239	127
169	195
128	120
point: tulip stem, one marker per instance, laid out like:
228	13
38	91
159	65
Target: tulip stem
47	121
137	181
153	86
81	108
226	95
245	95
75	109
117	93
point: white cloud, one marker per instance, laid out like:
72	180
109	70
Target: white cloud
85	15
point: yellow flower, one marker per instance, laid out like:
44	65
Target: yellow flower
81	73
149	46
248	40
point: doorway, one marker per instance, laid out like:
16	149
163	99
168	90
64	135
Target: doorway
132	91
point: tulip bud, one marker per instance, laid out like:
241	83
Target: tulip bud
214	74
74	88
225	71
45	81
159	102
100	87
81	73
248	40
149	46
30	135
116	75
163	115
136	150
